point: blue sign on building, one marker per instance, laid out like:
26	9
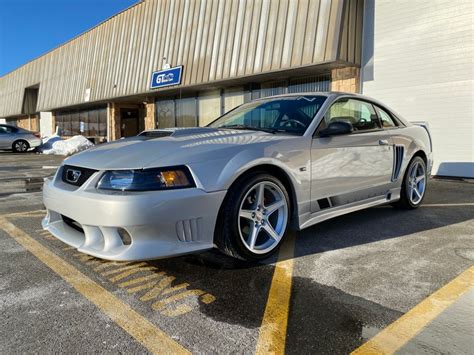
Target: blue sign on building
166	77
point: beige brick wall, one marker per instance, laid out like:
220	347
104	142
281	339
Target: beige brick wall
345	79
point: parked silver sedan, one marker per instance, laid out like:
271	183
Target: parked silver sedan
241	182
18	139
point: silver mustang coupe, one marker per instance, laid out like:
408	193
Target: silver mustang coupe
240	183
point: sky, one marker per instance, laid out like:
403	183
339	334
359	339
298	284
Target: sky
29	28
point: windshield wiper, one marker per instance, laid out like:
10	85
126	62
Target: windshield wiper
250	128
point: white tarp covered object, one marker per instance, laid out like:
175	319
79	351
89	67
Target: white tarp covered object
54	145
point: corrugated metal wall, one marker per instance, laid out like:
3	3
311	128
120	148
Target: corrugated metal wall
213	39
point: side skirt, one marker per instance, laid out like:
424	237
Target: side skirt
392	196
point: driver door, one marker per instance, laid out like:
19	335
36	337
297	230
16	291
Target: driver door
351	167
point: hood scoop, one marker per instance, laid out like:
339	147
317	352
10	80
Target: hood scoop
177	132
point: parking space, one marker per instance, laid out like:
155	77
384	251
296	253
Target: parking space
332	287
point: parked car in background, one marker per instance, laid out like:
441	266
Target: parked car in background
18	139
240	183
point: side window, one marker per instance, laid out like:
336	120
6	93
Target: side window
387	120
6	130
360	114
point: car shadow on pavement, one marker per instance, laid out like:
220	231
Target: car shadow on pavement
326	320
446	204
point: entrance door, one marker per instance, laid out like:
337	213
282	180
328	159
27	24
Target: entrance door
129	118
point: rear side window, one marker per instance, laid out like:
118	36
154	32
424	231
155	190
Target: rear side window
360	114
385	118
7	129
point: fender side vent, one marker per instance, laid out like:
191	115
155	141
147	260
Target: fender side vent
398	153
188	229
324	203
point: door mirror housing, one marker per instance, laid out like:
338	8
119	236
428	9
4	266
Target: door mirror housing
336	128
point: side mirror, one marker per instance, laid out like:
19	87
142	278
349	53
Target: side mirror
336	128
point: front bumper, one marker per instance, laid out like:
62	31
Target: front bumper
159	223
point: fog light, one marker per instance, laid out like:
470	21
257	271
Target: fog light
125	236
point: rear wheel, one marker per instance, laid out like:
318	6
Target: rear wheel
254	218
20	146
414	185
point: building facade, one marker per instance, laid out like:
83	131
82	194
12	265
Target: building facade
216	54
418	59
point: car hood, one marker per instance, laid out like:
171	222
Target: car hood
172	147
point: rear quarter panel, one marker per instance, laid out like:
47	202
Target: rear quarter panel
414	139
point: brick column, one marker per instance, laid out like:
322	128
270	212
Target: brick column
345	79
113	122
150	115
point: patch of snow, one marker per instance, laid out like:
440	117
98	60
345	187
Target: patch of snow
55	145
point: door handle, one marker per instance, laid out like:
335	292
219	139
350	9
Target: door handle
383	142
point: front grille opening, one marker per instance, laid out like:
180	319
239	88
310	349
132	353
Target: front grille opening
72	223
76	176
125	236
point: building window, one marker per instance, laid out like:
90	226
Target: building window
186	112
233	97
165	115
90	123
310	84
273	88
209	106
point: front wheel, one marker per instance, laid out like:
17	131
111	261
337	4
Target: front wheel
254	218
414	185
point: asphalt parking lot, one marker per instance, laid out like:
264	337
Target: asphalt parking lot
332	288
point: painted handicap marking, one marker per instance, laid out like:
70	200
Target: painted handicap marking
151	285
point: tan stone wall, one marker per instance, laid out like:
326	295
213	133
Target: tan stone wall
150	115
346	79
30	123
113	122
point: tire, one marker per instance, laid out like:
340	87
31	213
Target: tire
241	218
410	199
20	146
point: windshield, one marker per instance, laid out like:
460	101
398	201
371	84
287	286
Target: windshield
291	114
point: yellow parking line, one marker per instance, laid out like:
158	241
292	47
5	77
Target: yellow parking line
466	204
272	336
145	332
397	334
24	214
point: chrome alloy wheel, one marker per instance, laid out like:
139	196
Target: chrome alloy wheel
416	183
263	217
21	146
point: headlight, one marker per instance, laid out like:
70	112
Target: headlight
177	177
